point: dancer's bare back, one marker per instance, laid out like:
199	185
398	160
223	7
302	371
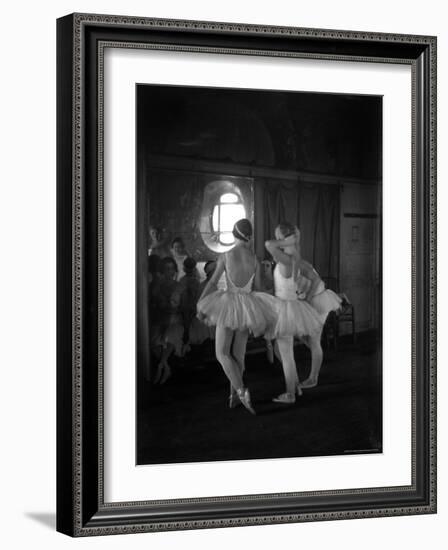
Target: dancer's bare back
241	264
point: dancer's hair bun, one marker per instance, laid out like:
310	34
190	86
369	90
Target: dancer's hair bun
287	229
242	230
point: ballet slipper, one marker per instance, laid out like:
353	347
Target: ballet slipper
244	397
234	400
285	398
308	384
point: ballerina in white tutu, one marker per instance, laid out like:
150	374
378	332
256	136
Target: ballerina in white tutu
296	318
309	288
237	311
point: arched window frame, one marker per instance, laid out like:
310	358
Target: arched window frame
213	192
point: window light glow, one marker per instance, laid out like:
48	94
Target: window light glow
229	198
228	211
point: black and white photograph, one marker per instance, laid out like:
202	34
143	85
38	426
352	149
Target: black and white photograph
258	274
222	241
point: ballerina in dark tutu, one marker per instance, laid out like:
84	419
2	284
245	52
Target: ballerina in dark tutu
238	310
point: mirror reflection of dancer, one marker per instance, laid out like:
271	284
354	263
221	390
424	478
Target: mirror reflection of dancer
167	329
296	318
159	243
179	253
238	310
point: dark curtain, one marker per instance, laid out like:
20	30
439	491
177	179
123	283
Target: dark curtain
314	208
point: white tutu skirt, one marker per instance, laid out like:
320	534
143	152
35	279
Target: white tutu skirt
324	302
295	318
253	311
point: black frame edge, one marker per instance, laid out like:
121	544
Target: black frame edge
64	176
99	519
425	142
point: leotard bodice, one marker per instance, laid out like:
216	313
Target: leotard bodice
284	287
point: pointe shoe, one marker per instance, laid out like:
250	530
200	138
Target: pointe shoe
285	398
244	397
234	400
308	384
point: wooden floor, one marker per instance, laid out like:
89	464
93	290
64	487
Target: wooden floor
187	419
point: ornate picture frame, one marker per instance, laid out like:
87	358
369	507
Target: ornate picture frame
81	507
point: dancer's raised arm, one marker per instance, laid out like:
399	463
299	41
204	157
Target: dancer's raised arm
275	246
295	318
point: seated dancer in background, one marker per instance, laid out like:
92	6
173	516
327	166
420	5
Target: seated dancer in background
189	291
159	245
238	310
296	318
180	254
209	269
166	328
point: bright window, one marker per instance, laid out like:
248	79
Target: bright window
226	212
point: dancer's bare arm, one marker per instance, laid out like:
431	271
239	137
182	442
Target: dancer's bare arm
274	247
308	271
259	280
212	284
